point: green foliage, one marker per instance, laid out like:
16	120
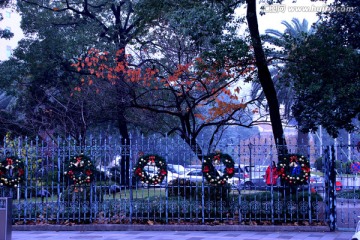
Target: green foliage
319	164
80	170
12	171
82	193
157	163
294	169
343	167
326	90
210	172
277	195
188	189
182	187
261	196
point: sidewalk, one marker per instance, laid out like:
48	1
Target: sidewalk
178	235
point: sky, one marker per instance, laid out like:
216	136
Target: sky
288	10
275	14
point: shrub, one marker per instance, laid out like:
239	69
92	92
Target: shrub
186	188
343	167
182	187
319	164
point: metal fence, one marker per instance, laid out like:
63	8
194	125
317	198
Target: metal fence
46	196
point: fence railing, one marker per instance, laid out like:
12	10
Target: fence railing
46	195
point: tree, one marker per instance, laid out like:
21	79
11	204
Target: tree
326	90
128	20
126	26
282	43
344	21
285	42
264	77
296	31
194	95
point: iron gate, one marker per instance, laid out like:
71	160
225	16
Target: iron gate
46	197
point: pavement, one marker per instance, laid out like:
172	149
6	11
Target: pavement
179	235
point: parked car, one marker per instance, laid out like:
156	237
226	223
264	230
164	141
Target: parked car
176	168
255	176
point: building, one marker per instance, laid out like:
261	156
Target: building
11	21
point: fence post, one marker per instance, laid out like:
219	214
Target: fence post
330	186
5	218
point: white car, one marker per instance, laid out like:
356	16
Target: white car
176	168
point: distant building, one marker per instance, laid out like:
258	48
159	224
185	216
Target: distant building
11	21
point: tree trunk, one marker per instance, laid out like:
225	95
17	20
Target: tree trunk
302	143
265	78
194	147
125	157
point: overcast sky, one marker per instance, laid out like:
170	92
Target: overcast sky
288	10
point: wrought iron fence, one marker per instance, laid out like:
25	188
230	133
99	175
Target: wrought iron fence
46	195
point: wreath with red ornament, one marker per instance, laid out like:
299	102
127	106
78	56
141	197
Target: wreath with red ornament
80	170
209	168
145	164
12	172
294	169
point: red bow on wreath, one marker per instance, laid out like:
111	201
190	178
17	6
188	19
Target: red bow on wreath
163	172
229	171
9	161
293	159
152	159
138	171
206	169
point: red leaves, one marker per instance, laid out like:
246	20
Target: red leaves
196	79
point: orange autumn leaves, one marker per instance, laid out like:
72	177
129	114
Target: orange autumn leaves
191	79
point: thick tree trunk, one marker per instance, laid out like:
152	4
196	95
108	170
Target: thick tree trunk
195	147
265	78
125	157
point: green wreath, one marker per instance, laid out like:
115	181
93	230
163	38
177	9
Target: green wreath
12	172
80	169
294	169
147	161
209	171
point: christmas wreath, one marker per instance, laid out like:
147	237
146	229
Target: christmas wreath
294	169
210	172
12	172
145	163
80	169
